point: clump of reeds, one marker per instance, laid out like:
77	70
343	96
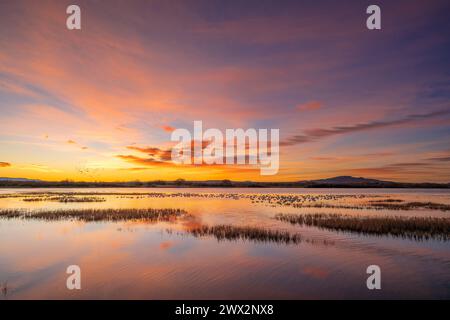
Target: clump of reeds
90	215
77	199
65	199
406	227
4	288
228	232
33	199
379	205
413	205
387	201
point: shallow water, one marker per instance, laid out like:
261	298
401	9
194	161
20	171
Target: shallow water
163	260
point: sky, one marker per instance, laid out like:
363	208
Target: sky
100	103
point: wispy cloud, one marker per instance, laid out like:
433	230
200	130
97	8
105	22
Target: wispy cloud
144	161
316	134
4	164
154	152
157	157
135	169
440	159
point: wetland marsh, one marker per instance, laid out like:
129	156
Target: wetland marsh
215	243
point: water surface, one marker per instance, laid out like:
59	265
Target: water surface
164	260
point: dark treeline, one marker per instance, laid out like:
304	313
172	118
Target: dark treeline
181	183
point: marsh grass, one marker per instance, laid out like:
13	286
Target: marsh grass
413	205
64	199
90	215
387	200
228	232
381	205
4	289
406	227
33	199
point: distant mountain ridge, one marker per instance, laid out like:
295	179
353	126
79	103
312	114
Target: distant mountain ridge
351	180
335	182
19	179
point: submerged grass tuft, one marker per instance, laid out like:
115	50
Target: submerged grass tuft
228	232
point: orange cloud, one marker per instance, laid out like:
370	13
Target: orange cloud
160	154
4	164
135	169
168	128
144	161
167	163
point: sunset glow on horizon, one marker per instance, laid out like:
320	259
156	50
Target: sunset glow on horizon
99	104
